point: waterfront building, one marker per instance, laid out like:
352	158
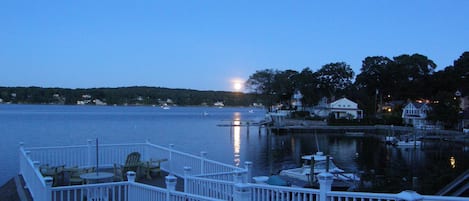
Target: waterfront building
345	108
296	100
342	108
415	114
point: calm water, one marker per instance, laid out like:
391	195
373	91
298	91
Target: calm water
191	131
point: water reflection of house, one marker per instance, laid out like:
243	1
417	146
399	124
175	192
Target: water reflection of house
465	121
341	109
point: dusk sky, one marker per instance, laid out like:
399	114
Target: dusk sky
206	45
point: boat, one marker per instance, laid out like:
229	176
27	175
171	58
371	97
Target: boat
320	165
390	140
219	104
408	143
402	141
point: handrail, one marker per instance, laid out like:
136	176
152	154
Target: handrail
361	195
221	184
462	177
213	188
32	176
261	192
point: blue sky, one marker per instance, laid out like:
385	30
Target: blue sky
205	45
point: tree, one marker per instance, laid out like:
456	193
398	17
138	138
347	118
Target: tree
307	82
284	85
334	78
455	77
445	109
373	75
410	74
262	83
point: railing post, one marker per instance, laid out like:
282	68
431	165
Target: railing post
238	176
325	184
187	171
170	185
49	181
242	192
28	154
171	147
36	164
21	148
203	156
90	152
131	176
408	196
248	166
146	155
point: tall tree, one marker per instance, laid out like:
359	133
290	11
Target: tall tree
335	77
455	77
308	84
262	83
284	85
373	76
445	110
410	74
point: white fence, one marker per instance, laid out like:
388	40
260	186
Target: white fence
218	189
108	155
204	179
261	192
85	156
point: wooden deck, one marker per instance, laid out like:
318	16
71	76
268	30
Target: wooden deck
156	180
159	181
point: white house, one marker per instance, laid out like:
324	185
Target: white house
345	108
296	100
342	108
415	114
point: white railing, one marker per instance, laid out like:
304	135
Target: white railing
108	155
31	175
222	176
120	191
139	191
261	192
85	156
204	179
334	195
209	187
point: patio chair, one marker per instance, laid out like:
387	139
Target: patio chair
56	172
74	175
153	167
132	163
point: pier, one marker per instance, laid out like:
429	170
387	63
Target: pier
306	127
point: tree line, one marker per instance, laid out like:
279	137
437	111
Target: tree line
137	95
380	80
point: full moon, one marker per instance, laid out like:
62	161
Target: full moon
237	86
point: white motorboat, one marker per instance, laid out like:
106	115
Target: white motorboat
320	165
390	140
408	143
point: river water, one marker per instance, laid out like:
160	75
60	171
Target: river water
196	129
